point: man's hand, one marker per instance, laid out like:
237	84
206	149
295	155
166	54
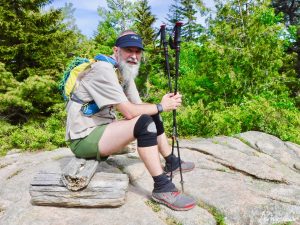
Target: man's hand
170	101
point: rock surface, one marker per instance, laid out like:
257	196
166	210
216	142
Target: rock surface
252	178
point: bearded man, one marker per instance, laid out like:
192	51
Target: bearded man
100	135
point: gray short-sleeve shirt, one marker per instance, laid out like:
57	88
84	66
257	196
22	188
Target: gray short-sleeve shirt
101	84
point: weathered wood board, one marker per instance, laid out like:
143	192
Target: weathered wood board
104	190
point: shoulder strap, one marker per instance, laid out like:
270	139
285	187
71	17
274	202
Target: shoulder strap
101	57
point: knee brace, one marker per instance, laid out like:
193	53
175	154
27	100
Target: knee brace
158	123
145	131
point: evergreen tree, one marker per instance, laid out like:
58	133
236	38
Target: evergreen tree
31	38
33	48
185	11
191	30
117	18
107	30
123	11
144	21
248	36
291	14
174	14
68	13
290	9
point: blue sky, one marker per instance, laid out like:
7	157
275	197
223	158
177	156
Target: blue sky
87	17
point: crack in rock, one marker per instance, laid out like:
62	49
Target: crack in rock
233	168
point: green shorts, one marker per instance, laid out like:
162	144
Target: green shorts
87	147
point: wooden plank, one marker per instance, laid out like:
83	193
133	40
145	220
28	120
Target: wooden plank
104	190
46	179
78	173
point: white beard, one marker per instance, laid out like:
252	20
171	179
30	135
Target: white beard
127	70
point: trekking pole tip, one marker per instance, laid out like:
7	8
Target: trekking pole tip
182	188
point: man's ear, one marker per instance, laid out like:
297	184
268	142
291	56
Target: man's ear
115	49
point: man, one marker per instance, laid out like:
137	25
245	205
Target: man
100	135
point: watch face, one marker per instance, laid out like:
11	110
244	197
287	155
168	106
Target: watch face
159	108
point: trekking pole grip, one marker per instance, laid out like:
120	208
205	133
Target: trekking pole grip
177	41
166	53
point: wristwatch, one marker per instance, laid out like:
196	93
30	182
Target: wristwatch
159	108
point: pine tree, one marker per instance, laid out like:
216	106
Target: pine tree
247	36
291	15
185	11
290	9
123	11
107	30
31	38
117	18
33	47
174	14
191	30
144	21
68	13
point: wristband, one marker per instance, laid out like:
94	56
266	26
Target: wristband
159	108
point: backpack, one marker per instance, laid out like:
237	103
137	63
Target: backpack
78	64
68	81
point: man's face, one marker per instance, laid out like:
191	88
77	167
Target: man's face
129	61
131	55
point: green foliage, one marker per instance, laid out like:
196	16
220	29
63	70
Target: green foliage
233	81
44	133
186	11
219	216
144	21
106	32
239	76
34	95
191	29
117	18
242	54
276	115
174	14
153	205
290	10
285	223
31	38
6	129
34	47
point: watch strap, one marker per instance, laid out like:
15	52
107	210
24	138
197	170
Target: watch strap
159	108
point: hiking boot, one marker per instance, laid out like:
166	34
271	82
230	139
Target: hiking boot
174	200
185	167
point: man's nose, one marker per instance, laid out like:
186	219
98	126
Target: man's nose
134	55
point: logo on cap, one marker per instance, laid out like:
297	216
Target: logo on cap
135	37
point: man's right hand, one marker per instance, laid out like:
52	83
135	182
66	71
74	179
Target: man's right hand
170	101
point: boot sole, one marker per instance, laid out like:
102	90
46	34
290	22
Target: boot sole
172	206
178	171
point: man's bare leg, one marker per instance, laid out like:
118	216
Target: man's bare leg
172	162
163	145
120	133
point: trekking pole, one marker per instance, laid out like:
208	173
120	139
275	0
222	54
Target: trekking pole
165	45
176	45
